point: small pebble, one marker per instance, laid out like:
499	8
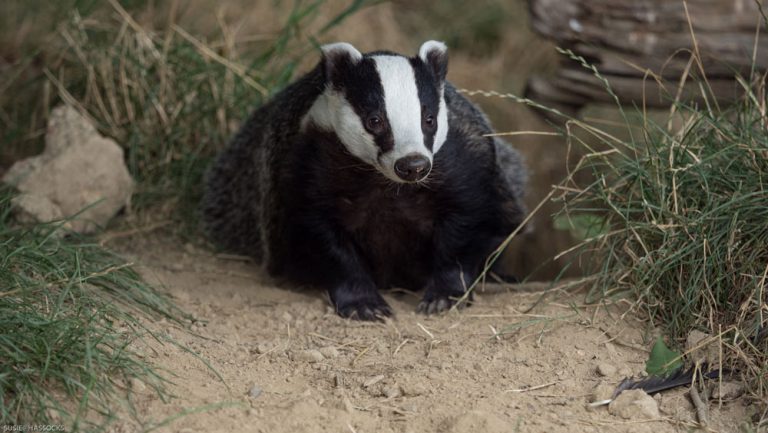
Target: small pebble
310	355
330	352
604	369
391	391
255	391
263	348
137	385
372	381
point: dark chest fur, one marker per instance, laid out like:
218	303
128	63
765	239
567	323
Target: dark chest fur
390	224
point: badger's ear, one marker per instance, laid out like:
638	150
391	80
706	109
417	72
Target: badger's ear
435	55
338	57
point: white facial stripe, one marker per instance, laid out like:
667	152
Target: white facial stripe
332	112
442	124
403	107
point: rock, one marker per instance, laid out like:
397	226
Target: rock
707	353
605	369
330	352
634	404
726	390
255	391
603	391
80	174
137	385
31	209
310	355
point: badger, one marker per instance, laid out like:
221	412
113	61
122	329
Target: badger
369	172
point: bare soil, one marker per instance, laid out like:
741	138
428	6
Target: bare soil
280	360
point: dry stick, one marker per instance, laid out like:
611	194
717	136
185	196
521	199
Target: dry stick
701	407
432	336
533	388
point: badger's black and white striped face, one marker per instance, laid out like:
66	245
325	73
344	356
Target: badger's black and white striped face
388	110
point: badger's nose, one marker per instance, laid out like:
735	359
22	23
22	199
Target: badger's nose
412	167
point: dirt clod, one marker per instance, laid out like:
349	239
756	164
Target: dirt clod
391	391
700	351
605	369
330	352
726	391
603	391
310	355
634	404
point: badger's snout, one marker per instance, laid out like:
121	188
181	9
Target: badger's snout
412	167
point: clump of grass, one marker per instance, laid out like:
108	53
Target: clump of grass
69	311
678	220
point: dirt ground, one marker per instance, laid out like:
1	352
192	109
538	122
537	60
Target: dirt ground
289	364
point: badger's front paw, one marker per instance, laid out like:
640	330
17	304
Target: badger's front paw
370	309
359	301
433	303
442	294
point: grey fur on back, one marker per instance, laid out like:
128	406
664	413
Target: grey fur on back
239	184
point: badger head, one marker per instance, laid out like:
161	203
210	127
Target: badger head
386	109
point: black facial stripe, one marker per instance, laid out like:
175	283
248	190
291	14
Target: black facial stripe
362	87
427	86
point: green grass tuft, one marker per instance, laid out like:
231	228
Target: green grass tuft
684	211
69	310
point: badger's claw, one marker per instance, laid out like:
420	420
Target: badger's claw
434	303
369	310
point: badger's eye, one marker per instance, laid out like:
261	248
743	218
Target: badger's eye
374	123
429	121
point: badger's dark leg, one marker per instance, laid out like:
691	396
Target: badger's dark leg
324	255
460	255
351	287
